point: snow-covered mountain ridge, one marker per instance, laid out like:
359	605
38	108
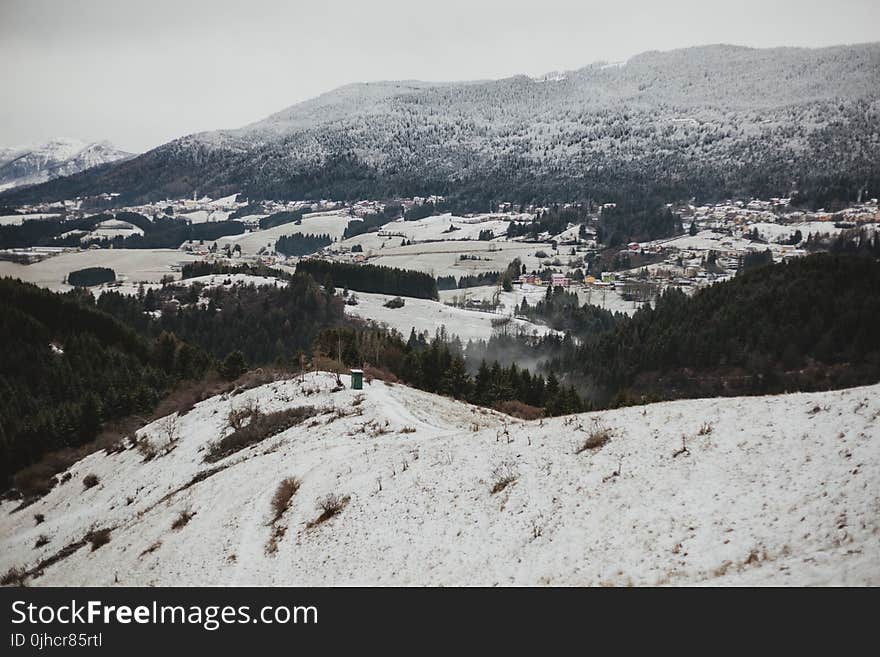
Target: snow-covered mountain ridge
715	120
759	490
30	165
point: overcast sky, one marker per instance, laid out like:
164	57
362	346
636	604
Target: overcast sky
142	72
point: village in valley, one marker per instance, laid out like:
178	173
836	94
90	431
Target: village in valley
468	253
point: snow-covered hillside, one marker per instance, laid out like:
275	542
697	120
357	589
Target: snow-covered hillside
425	315
30	165
683	117
770	490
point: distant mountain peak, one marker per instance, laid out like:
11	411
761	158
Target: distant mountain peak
59	156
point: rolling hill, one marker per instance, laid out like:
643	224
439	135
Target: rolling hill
399	487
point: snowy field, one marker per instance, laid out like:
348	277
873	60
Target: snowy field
205	216
209	282
779	490
229	280
19	219
443	258
707	240
318	223
148	265
773	232
604	297
432	228
427	315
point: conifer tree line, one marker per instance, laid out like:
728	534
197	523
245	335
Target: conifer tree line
300	244
91	276
468	280
170	232
163	232
47	232
553	221
371	278
851	241
206	268
373	221
428	209
284	217
267	324
67	367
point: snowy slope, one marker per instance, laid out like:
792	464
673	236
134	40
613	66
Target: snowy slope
426	315
434	228
779	490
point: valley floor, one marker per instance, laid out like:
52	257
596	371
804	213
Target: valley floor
779	490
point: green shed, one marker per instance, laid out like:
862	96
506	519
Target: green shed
357	379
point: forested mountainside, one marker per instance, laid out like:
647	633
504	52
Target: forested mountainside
711	122
66	367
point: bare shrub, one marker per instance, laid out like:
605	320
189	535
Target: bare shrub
519	409
371	372
261	427
597	436
115	447
42	540
98	537
537	529
91	480
263	375
39	518
38	479
329	505
614	474
169	429
684	450
182	519
503	474
283	494
14	577
705	429
187	394
408	430
278	532
239	418
332	503
322	363
152	548
147	449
